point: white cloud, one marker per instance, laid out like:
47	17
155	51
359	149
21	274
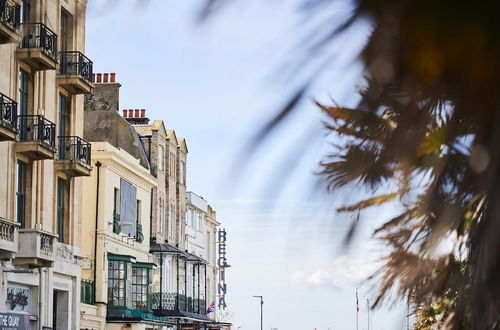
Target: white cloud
344	271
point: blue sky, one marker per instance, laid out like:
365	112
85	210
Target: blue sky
216	84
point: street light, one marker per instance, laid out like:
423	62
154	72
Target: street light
261	312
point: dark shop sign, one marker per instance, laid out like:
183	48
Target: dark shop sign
14	321
222	264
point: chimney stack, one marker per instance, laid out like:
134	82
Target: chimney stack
135	116
104	78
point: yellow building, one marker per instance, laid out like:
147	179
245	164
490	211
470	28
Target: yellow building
43	74
116	271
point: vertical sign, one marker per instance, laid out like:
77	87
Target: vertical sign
222	264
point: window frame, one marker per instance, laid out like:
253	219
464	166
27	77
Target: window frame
144	303
22	171
112	280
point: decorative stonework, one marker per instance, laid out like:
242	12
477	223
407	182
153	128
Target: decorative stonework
64	252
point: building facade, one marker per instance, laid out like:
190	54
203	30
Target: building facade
43	76
118	269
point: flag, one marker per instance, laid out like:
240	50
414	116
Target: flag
211	308
357	301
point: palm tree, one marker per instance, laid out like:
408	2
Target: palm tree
426	135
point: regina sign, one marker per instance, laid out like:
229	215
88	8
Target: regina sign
222	264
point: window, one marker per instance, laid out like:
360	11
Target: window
87	292
116	201
161	210
161	159
199	220
62	210
140	287
138	212
139	235
171	220
65	31
21	193
165	277
23	92
172	165
190	217
63	115
25	11
209	250
182	169
117	282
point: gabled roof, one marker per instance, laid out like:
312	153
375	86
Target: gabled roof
182	144
171	136
159	125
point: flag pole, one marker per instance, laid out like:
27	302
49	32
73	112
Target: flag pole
357	309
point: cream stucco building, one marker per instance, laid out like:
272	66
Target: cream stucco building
43	74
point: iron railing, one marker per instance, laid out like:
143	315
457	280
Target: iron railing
38	35
173	301
74	148
75	63
36	128
8	112
10	14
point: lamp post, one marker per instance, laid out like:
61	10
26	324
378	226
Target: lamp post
261	311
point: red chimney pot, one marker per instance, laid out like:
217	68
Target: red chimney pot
131	113
112	77
143	113
105	77
136	113
99	77
124	113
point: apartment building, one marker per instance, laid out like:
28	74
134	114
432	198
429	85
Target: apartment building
184	283
43	77
117	273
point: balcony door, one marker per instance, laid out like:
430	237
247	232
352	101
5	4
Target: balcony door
62	210
21	193
63	123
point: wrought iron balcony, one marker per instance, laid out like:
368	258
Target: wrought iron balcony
10	13
8	238
73	156
36	137
8	118
173	304
37	249
75	72
38	47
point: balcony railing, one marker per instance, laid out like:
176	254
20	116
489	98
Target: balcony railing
177	302
74	148
75	63
38	35
8	238
36	128
10	13
8	118
36	248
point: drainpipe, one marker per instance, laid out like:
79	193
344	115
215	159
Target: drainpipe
205	292
151	216
98	165
177	272
185	282
161	281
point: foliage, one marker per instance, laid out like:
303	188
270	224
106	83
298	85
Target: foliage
429	123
